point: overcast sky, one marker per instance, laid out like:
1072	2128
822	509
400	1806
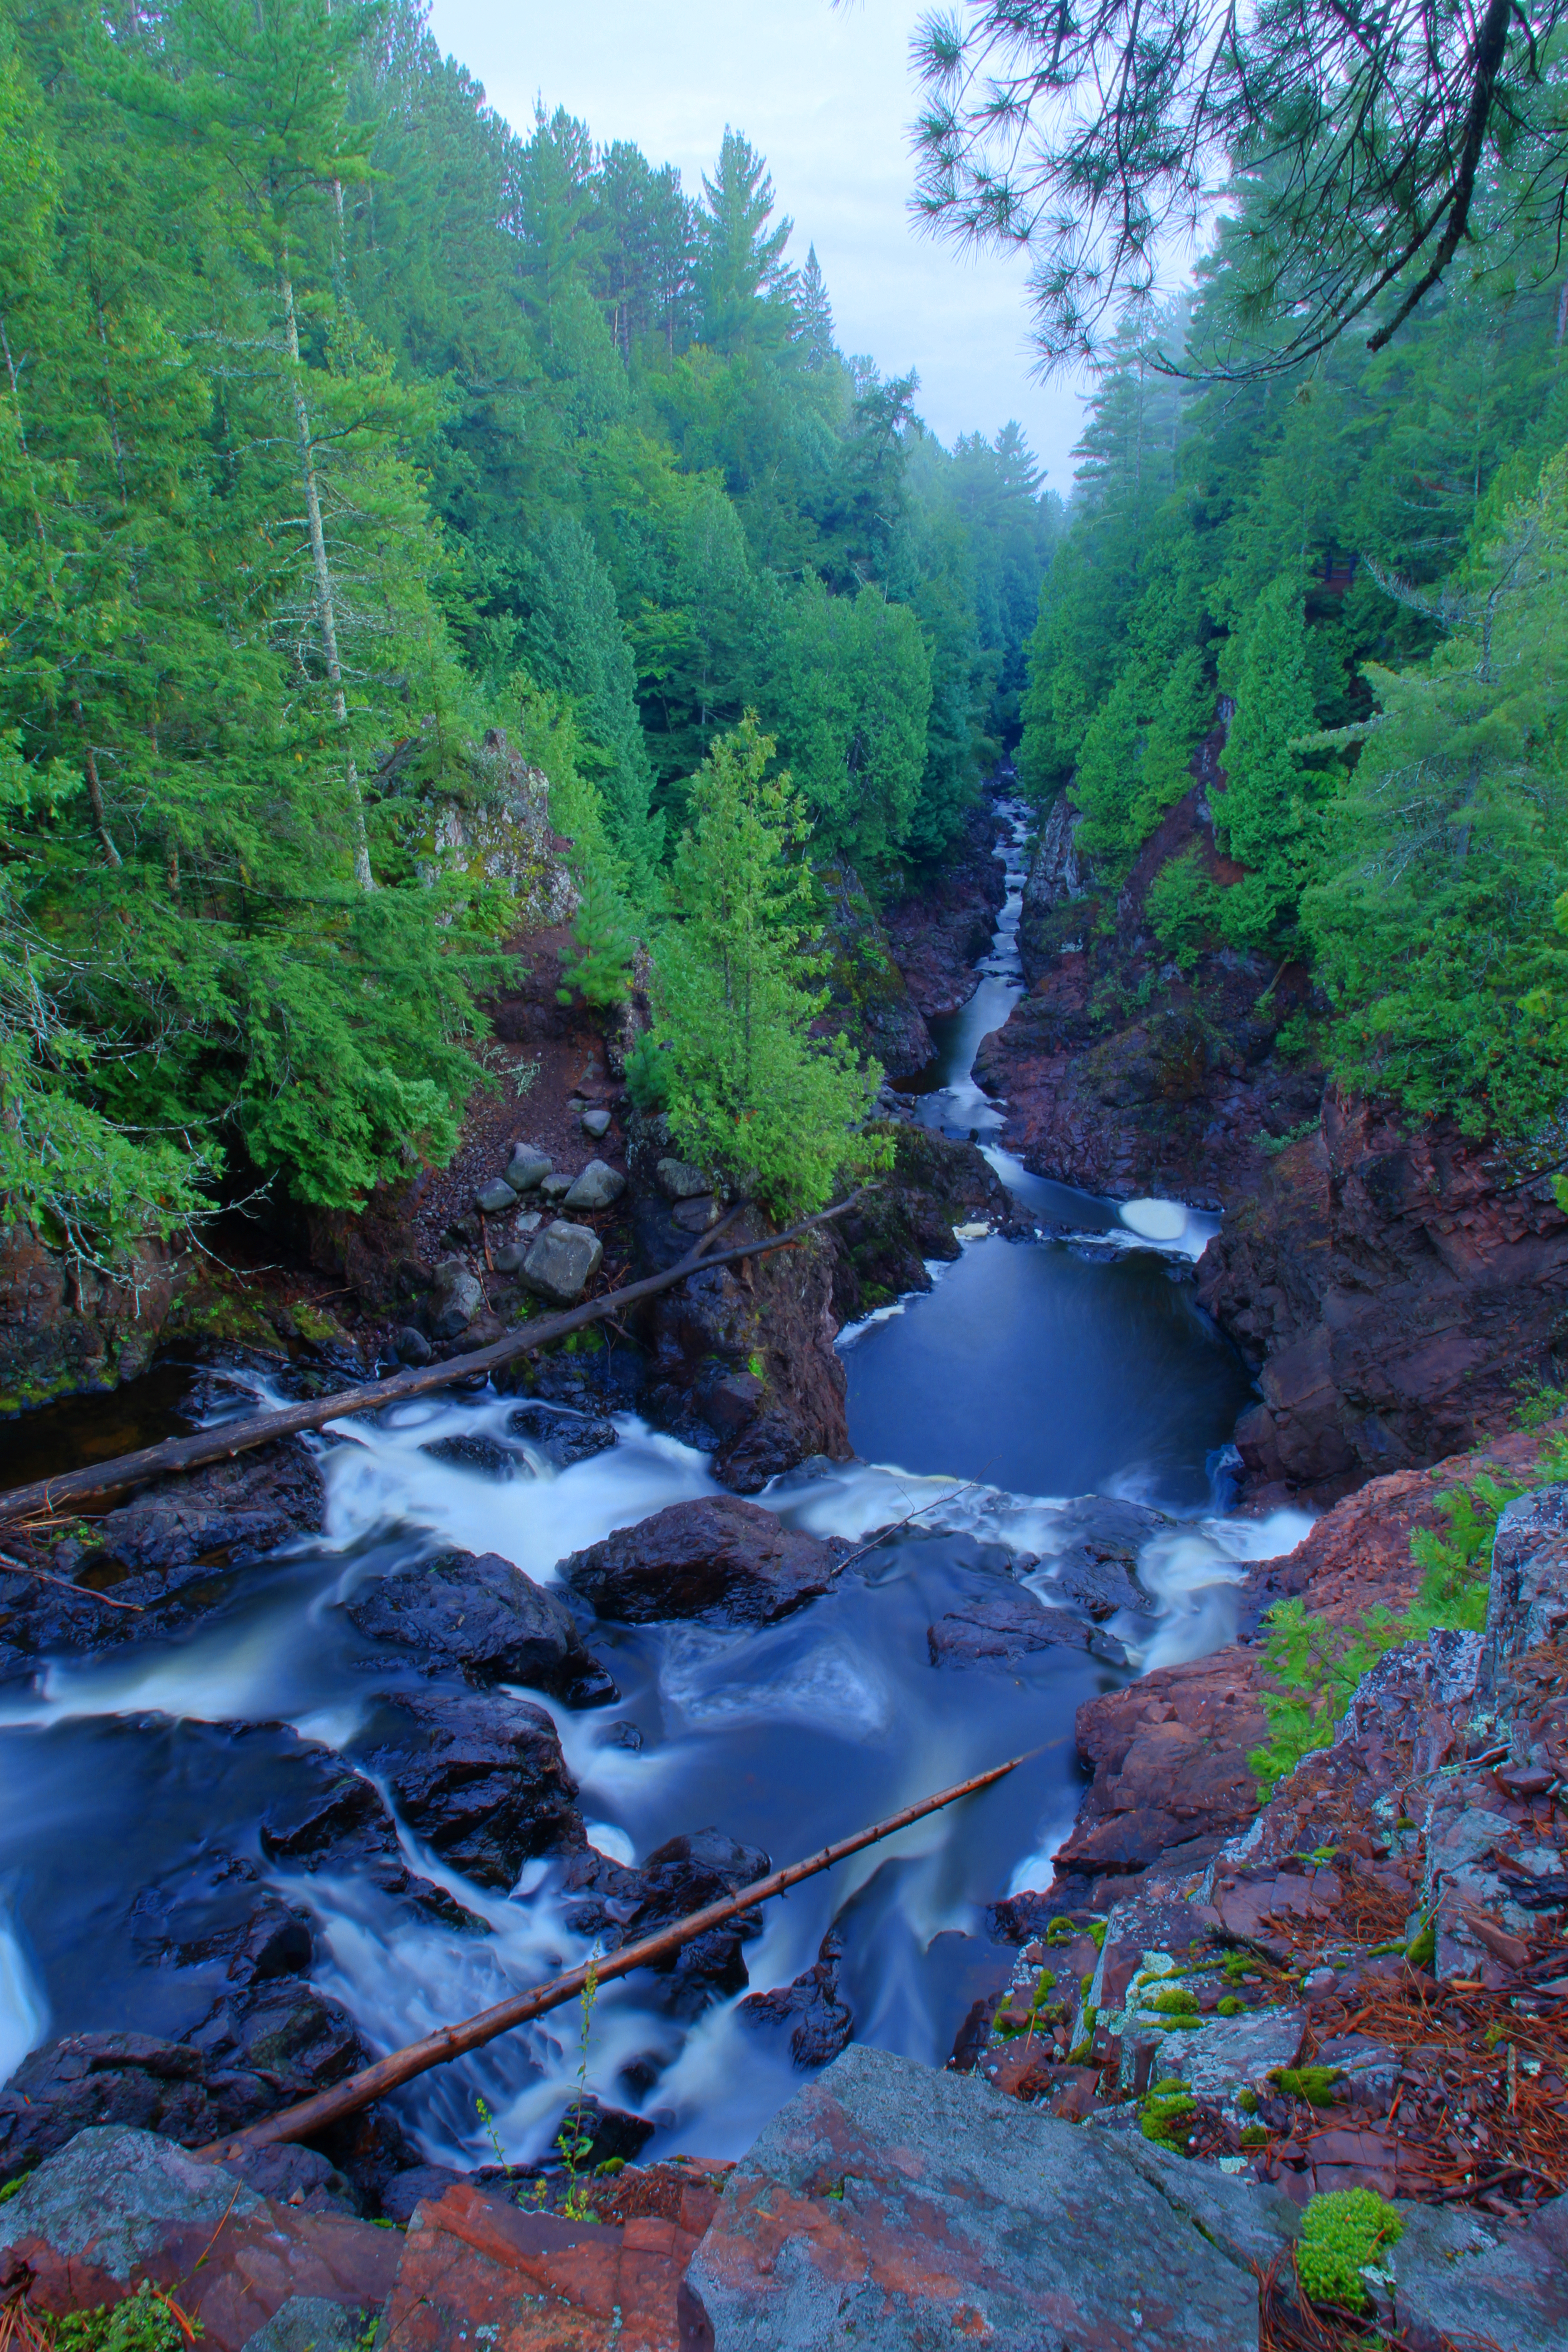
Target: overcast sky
825	94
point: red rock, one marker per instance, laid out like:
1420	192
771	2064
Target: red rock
536	2282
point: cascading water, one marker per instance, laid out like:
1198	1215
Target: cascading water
1031	1372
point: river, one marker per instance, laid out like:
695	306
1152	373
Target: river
1033	1371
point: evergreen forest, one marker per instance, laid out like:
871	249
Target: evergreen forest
344	422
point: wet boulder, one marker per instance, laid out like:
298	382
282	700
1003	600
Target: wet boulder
721	1560
284	2028
230	1511
824	2023
561	1435
495	1199
683	1875
561	1263
483	1617
1099	1579
465	1453
1001	1627
329	1817
481	1780
136	2080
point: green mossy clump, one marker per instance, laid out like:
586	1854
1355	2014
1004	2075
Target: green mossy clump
1254	2136
1176	2002
1228	2006
1163	2117
1422	1948
1248	2102
1340	2233
1314	2084
141	2323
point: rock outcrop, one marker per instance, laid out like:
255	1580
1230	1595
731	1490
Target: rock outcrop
1122	1072
1393	1287
939	931
66	1326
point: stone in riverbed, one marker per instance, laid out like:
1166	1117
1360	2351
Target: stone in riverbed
824	2023
494	1200
466	1452
595	1123
563	1436
481	1780
721	1561
412	1347
596	1187
888	2205
561	1263
1001	1627
483	1616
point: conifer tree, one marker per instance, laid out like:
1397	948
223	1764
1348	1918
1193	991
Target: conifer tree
1264	816
751	1094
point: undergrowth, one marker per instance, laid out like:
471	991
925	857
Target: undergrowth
1316	1663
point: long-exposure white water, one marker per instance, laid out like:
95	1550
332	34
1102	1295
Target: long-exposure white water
1032	1373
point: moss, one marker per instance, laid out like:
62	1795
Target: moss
1164	2116
320	1330
1230	2007
1314	2084
1422	1948
1176	2002
1254	2136
1340	2233
1044	1985
1248	2102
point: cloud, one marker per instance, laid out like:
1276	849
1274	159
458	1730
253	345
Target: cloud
825	94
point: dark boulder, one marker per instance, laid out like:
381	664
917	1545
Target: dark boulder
133	2079
294	2176
481	1453
481	1780
1001	1627
598	2135
232	1511
560	1436
284	2028
329	1817
683	1875
721	1561
823	2021
406	2189
1100	1580
483	1617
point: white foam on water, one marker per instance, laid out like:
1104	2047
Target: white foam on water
1192	1573
23	2012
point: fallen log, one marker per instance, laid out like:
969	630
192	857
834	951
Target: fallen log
75	1487
449	2041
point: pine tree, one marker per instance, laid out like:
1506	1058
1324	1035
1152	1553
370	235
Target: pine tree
814	316
1264	816
751	1094
743	281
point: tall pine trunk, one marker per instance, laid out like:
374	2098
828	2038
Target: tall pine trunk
326	611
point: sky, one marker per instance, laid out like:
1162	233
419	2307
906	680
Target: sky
825	94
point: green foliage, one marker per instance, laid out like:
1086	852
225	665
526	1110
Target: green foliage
1264	816
1342	2233
1184	908
1247	2100
338	422
605	943
1163	2116
142	2322
750	1091
1314	2084
1539	1403
1176	2002
1228	2006
1316	1666
1441	917
649	1074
